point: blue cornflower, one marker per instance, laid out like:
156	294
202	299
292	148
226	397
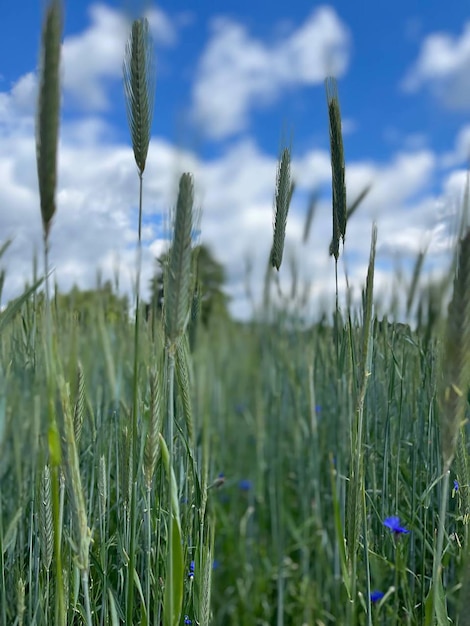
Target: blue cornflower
393	523
187	620
375	596
191	570
245	485
456	485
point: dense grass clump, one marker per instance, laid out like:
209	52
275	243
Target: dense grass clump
167	470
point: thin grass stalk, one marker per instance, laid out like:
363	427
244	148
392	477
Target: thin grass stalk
151	456
352	208
173	600
20	601
47	133
205	596
366	559
3	589
139	89
464	600
439	608
465	212
312	206
33	566
103	509
356	498
456	360
131	526
463	474
456	369
171	418
83	534
414	281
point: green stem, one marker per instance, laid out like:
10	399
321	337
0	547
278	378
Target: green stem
437	567
171	417
135	401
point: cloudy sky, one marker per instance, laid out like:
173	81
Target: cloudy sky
234	85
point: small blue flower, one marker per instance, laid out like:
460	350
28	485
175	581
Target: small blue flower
456	485
191	570
375	596
393	523
187	620
215	564
245	485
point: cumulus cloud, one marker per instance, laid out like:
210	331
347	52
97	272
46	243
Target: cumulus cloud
93	57
17	105
442	65
95	224
96	221
461	151
238	72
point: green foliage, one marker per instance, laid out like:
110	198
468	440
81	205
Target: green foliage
277	409
83	304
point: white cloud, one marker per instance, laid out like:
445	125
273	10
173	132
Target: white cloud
442	65
18	105
461	152
95	56
96	220
238	72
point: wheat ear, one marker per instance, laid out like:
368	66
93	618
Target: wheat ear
337	166
178	281
47	123
139	88
284	192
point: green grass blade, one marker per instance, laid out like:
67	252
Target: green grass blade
173	601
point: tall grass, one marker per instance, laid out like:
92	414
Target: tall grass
258	473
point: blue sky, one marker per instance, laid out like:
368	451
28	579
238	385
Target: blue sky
232	83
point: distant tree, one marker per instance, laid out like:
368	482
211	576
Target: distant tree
84	303
209	278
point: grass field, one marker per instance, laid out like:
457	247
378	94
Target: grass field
265	473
